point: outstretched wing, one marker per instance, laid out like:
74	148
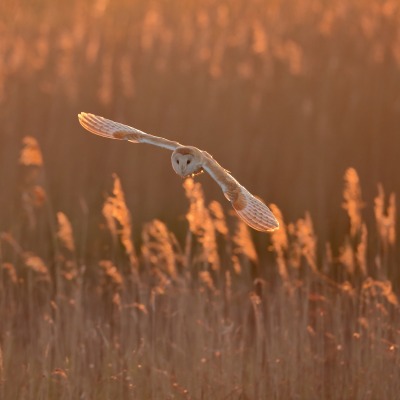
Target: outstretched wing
249	208
115	130
252	210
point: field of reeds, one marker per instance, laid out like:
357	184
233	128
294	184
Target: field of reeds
118	280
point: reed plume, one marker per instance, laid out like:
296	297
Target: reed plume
33	195
159	247
353	202
242	242
218	218
385	219
118	220
201	224
31	155
307	241
279	241
64	232
9	270
36	264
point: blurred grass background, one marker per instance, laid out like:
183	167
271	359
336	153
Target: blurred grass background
288	96
284	94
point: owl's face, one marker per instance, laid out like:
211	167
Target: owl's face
187	161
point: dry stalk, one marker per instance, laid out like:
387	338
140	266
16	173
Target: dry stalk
353	202
242	241
385	219
33	195
116	212
201	224
64	232
158	247
280	242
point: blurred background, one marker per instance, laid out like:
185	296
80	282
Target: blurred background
285	94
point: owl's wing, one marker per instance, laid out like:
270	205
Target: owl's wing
249	208
252	210
115	130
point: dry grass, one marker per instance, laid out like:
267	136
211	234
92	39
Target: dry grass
97	302
311	84
206	319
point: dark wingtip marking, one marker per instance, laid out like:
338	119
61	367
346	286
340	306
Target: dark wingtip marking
239	203
119	135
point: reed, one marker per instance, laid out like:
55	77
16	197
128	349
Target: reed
142	289
264	322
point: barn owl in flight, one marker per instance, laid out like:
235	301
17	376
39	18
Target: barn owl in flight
190	161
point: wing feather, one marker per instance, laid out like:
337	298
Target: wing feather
114	130
248	207
254	212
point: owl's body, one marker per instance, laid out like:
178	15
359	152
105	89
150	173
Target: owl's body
190	161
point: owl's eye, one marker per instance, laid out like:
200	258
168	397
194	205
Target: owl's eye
177	161
188	162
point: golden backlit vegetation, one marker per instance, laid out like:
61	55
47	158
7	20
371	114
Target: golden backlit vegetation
300	91
118	283
212	317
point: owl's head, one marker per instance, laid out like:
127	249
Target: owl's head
187	161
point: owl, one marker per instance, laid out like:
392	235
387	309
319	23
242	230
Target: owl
188	161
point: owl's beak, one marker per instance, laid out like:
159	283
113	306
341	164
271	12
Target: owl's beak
182	167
